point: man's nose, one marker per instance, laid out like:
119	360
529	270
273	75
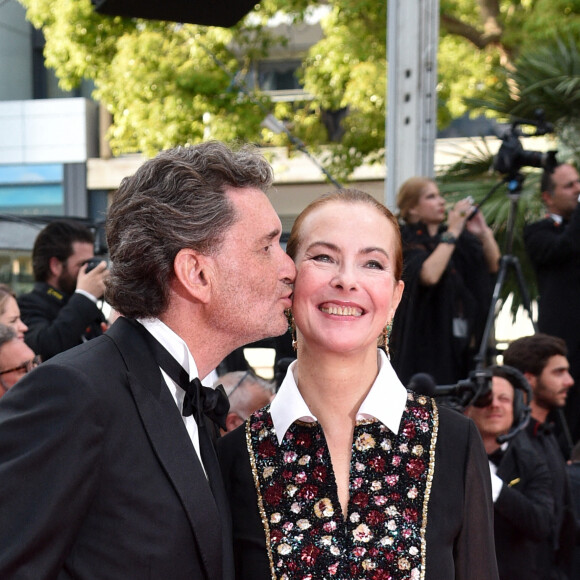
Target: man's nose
287	269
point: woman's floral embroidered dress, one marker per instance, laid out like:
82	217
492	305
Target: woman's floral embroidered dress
383	534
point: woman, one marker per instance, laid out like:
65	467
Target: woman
448	284
345	474
9	311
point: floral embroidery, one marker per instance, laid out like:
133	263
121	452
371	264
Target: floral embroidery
383	536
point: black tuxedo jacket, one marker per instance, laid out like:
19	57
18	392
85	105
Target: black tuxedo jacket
57	321
554	251
98	476
523	511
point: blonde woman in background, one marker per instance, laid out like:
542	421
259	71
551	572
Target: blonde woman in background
9	311
449	262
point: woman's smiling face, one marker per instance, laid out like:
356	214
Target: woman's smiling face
345	290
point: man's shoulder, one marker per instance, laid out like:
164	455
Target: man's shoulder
98	353
41	293
522	447
543	225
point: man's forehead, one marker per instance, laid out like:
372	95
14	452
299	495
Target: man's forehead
15	352
82	250
502	385
255	210
564	174
557	362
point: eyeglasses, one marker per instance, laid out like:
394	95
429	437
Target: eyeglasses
25	367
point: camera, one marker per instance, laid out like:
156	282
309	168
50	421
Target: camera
458	396
512	156
92	263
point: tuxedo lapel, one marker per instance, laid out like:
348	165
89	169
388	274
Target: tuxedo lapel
507	469
169	438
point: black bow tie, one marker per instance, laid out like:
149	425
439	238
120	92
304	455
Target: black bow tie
496	456
198	400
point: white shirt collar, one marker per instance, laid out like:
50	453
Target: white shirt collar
176	346
558	219
385	401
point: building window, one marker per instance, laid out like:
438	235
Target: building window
279	75
32	190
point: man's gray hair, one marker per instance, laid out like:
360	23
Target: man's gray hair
176	200
235	380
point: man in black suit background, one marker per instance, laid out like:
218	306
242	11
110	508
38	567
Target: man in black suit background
553	246
542	360
520	480
61	311
102	474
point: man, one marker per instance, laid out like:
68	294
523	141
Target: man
542	360
246	393
573	469
553	245
61	311
16	358
521	484
103	472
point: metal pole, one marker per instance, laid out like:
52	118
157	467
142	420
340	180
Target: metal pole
411	120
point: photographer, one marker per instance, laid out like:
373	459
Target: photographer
61	311
520	479
553	245
448	284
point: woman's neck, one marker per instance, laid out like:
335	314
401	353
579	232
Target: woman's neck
431	228
334	385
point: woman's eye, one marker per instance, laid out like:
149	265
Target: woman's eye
322	258
375	265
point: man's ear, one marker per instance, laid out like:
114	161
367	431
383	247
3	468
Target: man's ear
547	199
233	421
532	379
193	272
55	266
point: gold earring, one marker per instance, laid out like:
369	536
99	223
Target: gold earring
291	326
385	335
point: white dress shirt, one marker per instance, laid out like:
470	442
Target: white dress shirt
385	401
176	346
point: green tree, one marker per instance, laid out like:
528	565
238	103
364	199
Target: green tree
168	83
545	77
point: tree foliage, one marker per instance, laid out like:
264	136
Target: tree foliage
168	83
546	79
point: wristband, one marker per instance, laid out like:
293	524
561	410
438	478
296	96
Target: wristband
447	238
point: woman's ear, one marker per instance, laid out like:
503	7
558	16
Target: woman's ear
193	273
397	295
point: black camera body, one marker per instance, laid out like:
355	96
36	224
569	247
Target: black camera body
92	263
512	156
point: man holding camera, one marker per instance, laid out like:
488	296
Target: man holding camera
553	245
61	311
520	480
